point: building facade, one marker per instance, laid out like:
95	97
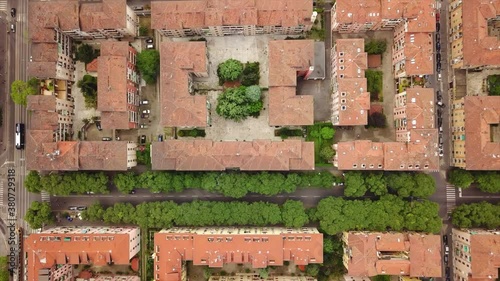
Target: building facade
53	252
413	109
214	247
222	18
475	254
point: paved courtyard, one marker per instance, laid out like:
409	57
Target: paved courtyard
477	83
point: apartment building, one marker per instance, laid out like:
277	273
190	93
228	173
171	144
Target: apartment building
174	18
350	96
368	254
181	62
475	133
49	144
214	247
413	23
475	254
474	31
117	85
256	277
52	253
413	109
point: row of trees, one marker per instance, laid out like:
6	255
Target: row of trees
487	181
234	184
67	183
336	215
420	185
200	213
477	215
39	214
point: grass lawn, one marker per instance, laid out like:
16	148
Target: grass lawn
314	134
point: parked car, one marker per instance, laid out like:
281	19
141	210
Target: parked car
142	139
82	208
438	67
98	125
446	258
160	137
438	46
12	28
438	17
438	26
438	57
132	191
150	46
13	12
144	102
438	37
144	126
73	208
445	239
149	40
446	249
89	192
146	111
441	130
106	138
440	121
441	104
439	76
69	218
31	58
447	271
138	8
441	154
145	115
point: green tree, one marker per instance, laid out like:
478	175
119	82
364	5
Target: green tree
253	93
425	185
374	81
402	183
234	104
354	184
377	120
476	215
88	86
381	278
143	30
494	85
207	272
327	153
251	74
264	273
125	182
4	269
461	178
20	90
375	183
375	47
148	64
312	270
32	182
85	53
489	181
327	133
293	214
229	70
38	215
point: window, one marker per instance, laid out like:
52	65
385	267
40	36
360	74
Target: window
341	54
343	94
343	107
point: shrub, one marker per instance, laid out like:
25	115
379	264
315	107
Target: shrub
230	70
234	104
376	47
251	74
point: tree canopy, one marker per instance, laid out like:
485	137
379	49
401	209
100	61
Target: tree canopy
484	215
67	183
229	70
494	85
377	120
375	47
148	64
354	184
460	178
38	215
336	215
20	90
235	104
88	86
199	213
251	74
85	53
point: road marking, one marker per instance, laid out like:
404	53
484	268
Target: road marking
451	196
45	196
3	5
1	193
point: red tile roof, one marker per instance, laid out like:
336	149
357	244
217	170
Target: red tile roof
479	48
286	58
352	155
112	85
484	257
481	113
105	14
44	251
362	11
201	155
419	53
215	247
419	108
103	155
40	144
357	101
178	107
46	15
377	253
44	59
205	13
92	66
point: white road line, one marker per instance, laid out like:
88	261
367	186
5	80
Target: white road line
45	196
1	193
3	5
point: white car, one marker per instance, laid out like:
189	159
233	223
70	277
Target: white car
146	111
150	46
144	126
144	102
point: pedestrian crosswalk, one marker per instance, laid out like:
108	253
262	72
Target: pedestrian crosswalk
451	197
1	193
45	196
3	5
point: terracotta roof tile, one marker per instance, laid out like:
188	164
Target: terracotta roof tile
419	108
39	143
357	101
44	16
352	56
41	102
218	246
485	260
107	14
352	155
103	155
362	11
178	107
199	155
481	113
178	14
478	48
284	12
288	109
92	66
366	247
419	53
44	59
418	154
230	12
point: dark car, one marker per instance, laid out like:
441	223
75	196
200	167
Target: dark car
446	258
438	67
160	137
69	218
438	26
149	40
437	17
445	239
132	191
13	12
438	37
142	139
440	121
98	125
438	46
447	271
438	57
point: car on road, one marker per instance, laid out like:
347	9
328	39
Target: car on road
160	138
12	28
144	126
446	249
441	104
145	115
31	58
138	8
98	125
447	271
438	57
13	12
69	218
440	121
438	26
439	96
142	139
19	136
146	111
73	208
438	37
81	208
150	46
438	17
149	40
440	129
446	258
438	67
441	153
132	191
106	139
439	76
144	102
438	46
445	239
